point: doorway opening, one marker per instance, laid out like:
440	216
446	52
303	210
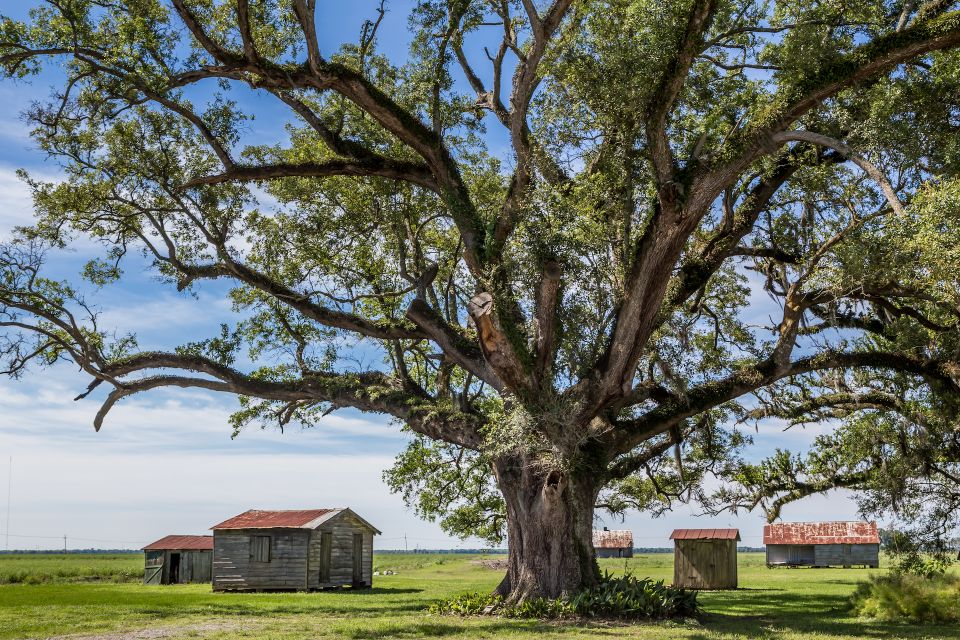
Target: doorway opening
174	568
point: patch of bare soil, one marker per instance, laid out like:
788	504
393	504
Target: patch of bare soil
499	564
157	633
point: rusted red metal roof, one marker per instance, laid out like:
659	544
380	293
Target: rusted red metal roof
193	543
821	533
613	539
705	534
255	519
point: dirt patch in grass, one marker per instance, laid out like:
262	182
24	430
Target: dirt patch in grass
499	564
158	633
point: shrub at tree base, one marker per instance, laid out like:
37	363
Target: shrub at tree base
615	597
903	596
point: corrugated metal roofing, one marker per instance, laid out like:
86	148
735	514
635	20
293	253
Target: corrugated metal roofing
612	539
256	519
821	533
195	543
705	534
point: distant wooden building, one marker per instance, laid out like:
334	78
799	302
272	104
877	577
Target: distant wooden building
178	560
613	544
822	544
705	558
293	550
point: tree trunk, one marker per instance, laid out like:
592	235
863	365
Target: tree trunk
549	530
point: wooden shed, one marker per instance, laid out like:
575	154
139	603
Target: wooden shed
613	544
178	560
822	544
705	558
293	550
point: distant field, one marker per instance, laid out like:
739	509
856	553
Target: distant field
38	568
90	595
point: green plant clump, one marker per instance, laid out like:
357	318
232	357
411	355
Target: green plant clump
910	597
923	566
615	597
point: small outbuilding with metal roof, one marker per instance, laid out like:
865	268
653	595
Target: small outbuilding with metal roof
705	558
822	544
613	544
293	550
178	560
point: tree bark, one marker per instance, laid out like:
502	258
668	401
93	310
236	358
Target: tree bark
549	529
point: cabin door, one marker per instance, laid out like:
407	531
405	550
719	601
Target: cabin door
174	568
326	544
153	571
357	559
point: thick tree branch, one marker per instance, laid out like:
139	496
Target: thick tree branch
366	391
869	168
665	97
709	395
796	98
351	84
461	349
412	172
546	318
526	78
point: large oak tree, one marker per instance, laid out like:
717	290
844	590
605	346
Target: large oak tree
550	223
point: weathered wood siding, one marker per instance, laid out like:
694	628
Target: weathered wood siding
195	566
287	568
296	557
342	528
824	555
846	555
705	564
200	566
153	567
608	552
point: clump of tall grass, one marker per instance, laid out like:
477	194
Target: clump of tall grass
911	597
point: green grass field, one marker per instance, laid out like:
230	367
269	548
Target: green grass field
64	597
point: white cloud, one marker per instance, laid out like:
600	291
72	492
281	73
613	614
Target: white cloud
16	206
135	311
164	463
40	410
80	490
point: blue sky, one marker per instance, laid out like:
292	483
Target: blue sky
164	462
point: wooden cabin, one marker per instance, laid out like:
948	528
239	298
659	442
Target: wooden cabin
705	558
293	550
822	544
613	544
178	560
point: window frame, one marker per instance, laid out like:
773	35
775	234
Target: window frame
257	545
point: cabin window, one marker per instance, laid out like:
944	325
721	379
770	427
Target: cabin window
260	548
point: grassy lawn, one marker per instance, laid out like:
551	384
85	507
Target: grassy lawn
779	603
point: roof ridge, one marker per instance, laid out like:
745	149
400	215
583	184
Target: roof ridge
822	522
292	510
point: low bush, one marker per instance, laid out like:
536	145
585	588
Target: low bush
909	597
615	597
928	566
468	604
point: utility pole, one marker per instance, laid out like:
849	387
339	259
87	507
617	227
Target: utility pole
64	544
406	549
9	491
